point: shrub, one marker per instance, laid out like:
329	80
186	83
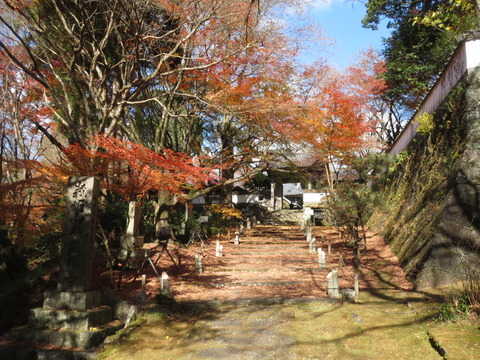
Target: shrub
222	217
456	309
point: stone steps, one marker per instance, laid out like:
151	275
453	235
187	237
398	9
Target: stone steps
270	261
285	217
68	326
76	339
264	270
25	352
258	283
254	259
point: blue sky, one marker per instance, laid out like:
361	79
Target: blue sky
341	21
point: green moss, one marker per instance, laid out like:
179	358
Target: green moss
419	182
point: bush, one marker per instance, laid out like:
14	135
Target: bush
254	211
46	248
456	309
349	207
112	216
222	217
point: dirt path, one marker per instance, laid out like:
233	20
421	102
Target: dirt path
266	299
241	332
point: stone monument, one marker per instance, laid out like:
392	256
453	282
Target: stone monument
78	235
72	316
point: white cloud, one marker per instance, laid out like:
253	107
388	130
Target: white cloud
321	4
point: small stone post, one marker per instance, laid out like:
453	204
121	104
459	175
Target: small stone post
313	245
237	238
309	235
332	285
198	263
217	249
144	282
164	286
220	250
341	263
142	296
356	270
329	250
322	264
249	224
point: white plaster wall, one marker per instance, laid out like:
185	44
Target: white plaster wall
245	199
313	197
473	53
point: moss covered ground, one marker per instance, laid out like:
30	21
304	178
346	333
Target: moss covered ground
389	323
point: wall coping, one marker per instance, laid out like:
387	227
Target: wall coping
466	56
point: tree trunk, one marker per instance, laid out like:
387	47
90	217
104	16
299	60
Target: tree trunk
227	190
227	143
357	268
329	175
165	203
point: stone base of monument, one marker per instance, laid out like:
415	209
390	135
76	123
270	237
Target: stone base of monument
69	326
66	338
70	319
68	300
22	352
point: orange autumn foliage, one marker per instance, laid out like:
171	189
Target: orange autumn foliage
129	169
226	212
